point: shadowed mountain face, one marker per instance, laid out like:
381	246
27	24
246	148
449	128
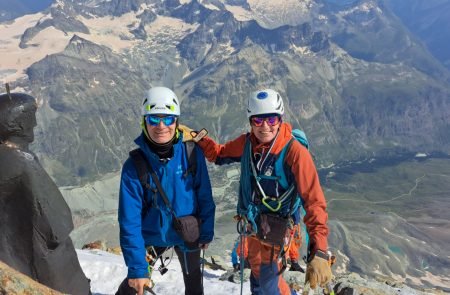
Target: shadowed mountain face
429	21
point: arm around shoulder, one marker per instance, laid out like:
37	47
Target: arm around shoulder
223	153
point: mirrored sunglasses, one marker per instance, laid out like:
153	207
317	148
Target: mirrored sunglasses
154	120
271	120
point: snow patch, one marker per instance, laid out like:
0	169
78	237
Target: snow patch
366	246
210	6
165	32
275	13
13	59
44	18
58	4
239	13
112	32
96	59
302	50
364	7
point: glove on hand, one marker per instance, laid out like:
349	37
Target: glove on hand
188	133
318	271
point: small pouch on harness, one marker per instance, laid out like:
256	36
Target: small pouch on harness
188	228
273	229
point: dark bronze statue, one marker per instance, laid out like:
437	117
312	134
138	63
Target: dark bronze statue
35	221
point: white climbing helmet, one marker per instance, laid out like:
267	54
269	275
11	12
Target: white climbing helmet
160	101
266	101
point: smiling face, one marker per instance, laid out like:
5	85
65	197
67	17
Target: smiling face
160	132
265	128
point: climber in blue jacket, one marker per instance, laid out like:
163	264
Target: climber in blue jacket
144	217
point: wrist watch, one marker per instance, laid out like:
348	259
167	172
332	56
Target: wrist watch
319	253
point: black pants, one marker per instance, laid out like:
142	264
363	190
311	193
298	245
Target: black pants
192	277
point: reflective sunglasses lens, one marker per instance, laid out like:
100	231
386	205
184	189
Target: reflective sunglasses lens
169	120
152	120
272	121
257	121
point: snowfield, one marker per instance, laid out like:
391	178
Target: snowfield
107	271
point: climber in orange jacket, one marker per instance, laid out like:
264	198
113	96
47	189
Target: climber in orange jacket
258	151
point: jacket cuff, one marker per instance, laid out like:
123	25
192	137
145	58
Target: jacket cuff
138	273
204	240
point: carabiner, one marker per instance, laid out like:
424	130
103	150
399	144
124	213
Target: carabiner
242	225
270	207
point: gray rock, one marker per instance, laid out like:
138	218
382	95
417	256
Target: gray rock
235	276
35	221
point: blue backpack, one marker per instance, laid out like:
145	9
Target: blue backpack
298	135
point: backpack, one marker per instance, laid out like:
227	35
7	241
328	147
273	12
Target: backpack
143	170
280	168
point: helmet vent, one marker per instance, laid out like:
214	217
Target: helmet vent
170	107
175	101
145	101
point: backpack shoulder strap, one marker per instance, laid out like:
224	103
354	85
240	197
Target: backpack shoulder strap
192	158
298	135
279	165
245	190
140	163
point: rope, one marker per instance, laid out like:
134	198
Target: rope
242	230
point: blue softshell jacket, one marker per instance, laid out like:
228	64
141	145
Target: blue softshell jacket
188	196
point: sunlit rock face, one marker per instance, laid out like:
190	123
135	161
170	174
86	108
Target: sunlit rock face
35	221
13	282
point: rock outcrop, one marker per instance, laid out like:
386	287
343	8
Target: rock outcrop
35	221
13	282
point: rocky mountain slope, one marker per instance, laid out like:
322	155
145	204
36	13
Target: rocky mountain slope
428	20
353	76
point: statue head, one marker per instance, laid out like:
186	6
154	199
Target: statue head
17	118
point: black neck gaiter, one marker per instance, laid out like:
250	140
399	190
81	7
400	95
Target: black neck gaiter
163	150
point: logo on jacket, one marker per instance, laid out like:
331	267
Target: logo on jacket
179	170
